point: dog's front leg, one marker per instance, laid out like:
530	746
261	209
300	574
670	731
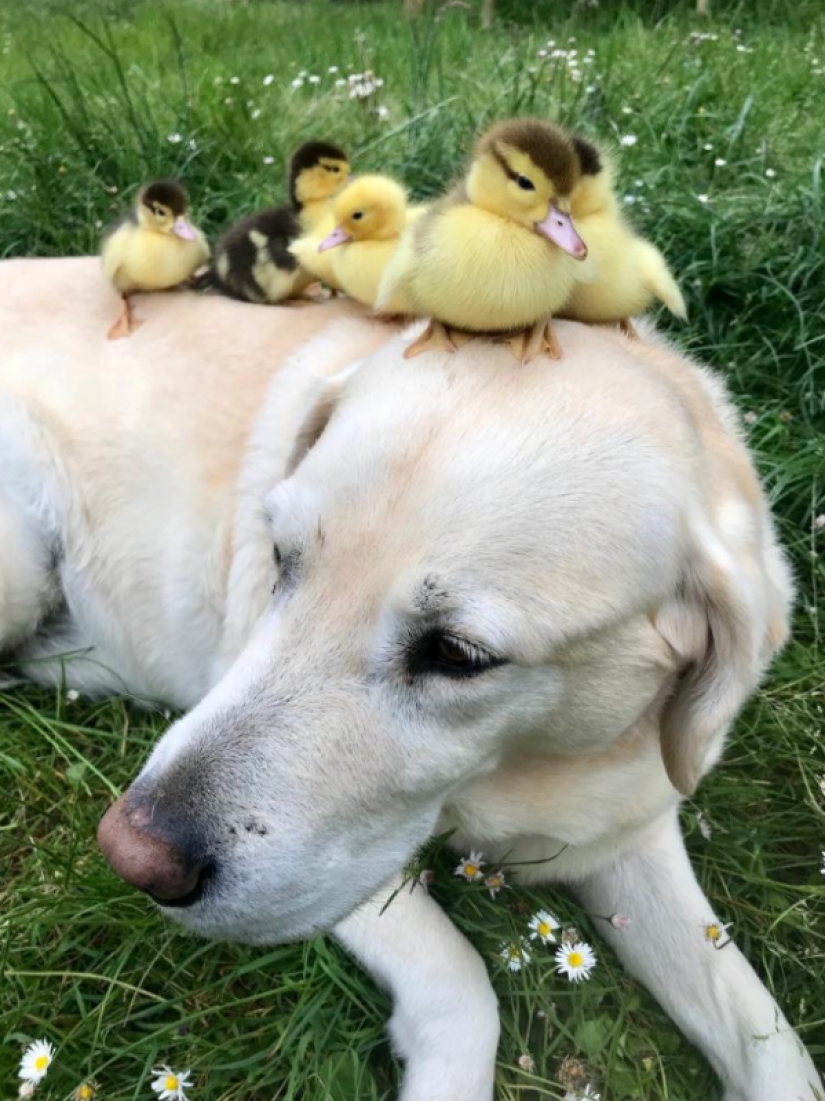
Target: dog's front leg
445	1020
712	993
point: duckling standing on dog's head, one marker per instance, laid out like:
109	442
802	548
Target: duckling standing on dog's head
630	272
370	215
252	259
499	254
152	248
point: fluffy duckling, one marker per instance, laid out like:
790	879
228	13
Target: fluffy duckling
630	272
370	215
252	259
500	253
152	248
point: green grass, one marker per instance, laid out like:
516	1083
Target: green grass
87	105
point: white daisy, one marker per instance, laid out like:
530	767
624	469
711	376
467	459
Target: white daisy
708	146
516	955
174	139
332	69
314	79
703	198
37	1058
770	173
543	926
268	79
628	140
269	160
469	867
717	933
495	882
383	112
170	1086
234	80
298	82
576	961
720	162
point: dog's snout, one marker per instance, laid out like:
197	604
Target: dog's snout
150	854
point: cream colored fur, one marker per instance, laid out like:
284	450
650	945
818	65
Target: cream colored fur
596	522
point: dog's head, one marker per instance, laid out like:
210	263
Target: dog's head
462	555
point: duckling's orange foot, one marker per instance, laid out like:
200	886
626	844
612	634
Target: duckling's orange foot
436	337
532	342
627	327
126	323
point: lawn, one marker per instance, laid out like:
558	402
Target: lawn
719	126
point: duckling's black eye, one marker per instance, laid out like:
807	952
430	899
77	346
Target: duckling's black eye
443	654
358	215
333	168
525	184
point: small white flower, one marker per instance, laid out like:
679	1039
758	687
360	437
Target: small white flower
628	140
542	53
720	162
314	79
627	110
234	80
708	146
586	1094
37	1058
620	922
703	198
255	113
298	82
717	933
543	926
11	195
770	173
268	79
526	1063
73	695
576	961
516	955
821	778
469	867
193	145
629	199
332	69
340	83
174	139
170	1086
495	882
701	820
269	160
382	112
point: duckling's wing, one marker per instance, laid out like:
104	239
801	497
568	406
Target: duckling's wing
392	294
114	242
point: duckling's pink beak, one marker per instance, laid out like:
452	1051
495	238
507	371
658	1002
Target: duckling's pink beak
339	236
183	229
558	228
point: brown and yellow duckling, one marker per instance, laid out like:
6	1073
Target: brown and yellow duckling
630	273
500	253
252	261
153	247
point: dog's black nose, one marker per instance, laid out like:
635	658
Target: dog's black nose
167	867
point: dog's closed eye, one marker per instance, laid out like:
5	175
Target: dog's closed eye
442	653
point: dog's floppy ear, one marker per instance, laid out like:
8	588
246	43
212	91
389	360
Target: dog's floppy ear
724	623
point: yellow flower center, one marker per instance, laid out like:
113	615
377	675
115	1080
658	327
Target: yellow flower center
515	953
41	1062
575	959
714	932
170	1082
85	1093
470	869
544	929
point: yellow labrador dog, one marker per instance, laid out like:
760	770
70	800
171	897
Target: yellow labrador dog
520	603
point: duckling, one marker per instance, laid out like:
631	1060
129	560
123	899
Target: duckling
500	253
369	215
630	272
252	259
151	248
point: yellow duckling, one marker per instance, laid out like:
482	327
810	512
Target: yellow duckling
253	261
630	272
152	248
500	253
370	216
